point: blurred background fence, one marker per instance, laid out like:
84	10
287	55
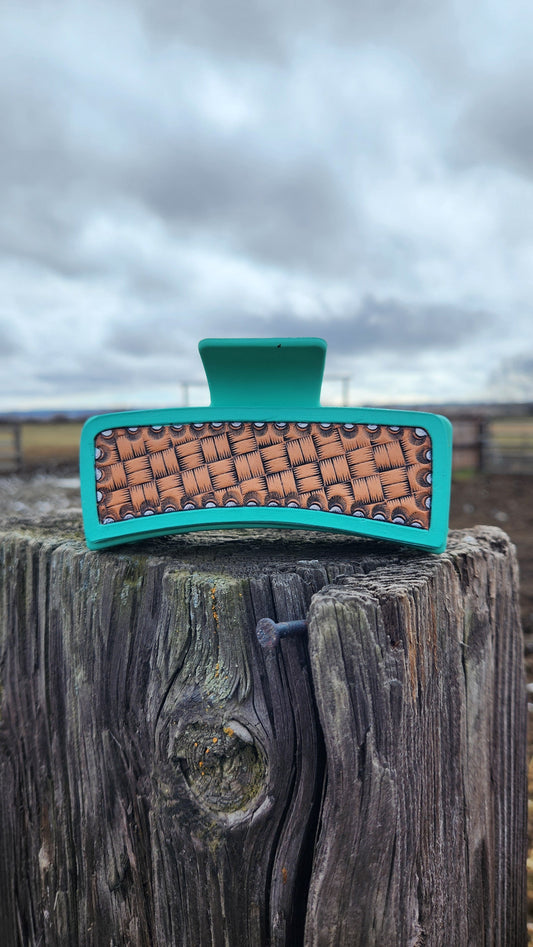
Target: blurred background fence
497	439
486	439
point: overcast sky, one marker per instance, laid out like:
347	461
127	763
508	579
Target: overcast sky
360	170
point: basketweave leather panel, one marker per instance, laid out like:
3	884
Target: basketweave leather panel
373	471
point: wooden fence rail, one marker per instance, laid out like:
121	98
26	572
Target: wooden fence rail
493	441
10	447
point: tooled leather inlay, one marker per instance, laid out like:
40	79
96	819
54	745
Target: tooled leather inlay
362	470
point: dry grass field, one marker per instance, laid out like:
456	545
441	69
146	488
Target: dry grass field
517	431
50	444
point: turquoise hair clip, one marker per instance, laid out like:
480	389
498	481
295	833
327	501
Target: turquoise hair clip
266	453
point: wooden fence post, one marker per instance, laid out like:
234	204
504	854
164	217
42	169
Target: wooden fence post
164	780
10	446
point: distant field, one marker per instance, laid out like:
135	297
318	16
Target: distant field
50	443
510	445
513	431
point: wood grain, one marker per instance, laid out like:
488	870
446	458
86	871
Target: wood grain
164	781
418	680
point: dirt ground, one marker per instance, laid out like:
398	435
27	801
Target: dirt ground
504	500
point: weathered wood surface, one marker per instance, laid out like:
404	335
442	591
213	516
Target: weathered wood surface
164	781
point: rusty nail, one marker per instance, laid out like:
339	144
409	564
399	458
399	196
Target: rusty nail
269	632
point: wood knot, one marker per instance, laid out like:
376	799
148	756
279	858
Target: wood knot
222	765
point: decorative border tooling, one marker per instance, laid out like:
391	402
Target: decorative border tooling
369	471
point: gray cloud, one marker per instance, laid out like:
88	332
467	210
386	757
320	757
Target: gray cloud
283	205
171	171
9	344
289	211
513	378
261	30
156	335
497	126
252	29
110	371
385	325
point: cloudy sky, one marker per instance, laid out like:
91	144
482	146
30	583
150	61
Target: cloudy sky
360	170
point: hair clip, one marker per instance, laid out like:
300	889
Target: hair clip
265	453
